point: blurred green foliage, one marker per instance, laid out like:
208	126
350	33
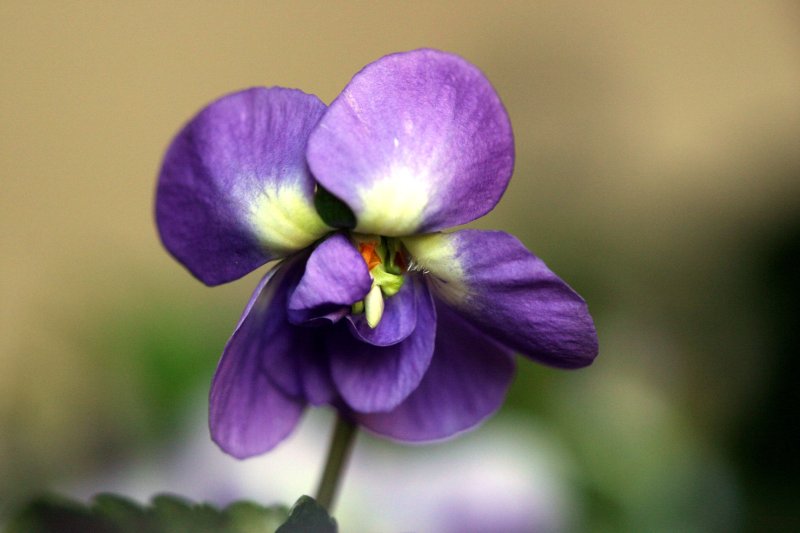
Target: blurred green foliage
170	350
109	513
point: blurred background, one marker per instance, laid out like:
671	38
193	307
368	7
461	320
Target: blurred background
658	172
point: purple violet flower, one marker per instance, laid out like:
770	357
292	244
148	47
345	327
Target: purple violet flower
408	331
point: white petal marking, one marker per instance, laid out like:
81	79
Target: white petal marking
284	219
395	204
436	254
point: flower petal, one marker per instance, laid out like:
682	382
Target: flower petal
466	382
248	414
374	378
335	276
294	357
417	141
398	322
507	292
234	190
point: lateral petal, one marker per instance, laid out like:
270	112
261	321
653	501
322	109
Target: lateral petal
491	279
234	189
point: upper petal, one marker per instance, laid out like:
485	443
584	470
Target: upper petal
417	141
335	276
494	281
465	383
377	378
234	190
248	414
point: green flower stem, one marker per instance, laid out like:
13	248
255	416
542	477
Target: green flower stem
344	433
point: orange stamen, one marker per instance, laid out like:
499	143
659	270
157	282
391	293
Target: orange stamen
371	257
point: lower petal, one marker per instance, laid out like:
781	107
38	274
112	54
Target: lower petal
466	382
248	414
295	356
398	322
268	370
376	378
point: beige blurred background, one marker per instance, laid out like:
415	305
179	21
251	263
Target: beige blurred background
658	150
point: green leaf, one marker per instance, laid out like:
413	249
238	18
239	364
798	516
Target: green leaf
109	513
126	515
53	513
307	516
174	514
333	211
247	517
